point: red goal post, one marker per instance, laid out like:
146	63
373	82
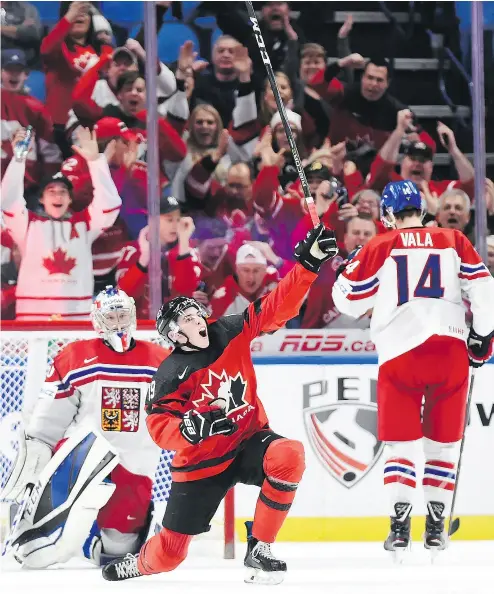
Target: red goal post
27	352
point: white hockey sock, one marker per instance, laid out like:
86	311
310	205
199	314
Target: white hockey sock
399	473
439	472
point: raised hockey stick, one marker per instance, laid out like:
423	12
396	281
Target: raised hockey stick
455	524
281	108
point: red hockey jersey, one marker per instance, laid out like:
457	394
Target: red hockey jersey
186	380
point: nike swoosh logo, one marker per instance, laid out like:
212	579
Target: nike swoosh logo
130	518
264	439
182	375
89	360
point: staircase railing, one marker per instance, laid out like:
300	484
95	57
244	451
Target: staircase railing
445	54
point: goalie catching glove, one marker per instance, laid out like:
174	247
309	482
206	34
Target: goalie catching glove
199	423
480	348
318	247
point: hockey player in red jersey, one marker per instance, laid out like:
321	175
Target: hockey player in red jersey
413	279
99	384
203	404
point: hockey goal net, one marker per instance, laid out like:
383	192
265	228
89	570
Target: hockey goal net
27	352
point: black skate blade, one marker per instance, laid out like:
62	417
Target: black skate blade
264	578
454	526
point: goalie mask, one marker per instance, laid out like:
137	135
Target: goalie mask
113	315
182	323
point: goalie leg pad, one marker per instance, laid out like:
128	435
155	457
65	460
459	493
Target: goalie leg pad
65	501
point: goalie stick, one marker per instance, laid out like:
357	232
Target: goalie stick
281	108
455	524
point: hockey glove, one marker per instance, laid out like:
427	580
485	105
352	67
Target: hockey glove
480	348
199	423
347	260
318	247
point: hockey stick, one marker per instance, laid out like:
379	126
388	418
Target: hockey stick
455	524
281	108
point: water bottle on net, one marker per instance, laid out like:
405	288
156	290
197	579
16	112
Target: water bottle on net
22	148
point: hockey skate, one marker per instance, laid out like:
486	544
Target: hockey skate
121	569
398	541
262	566
435	538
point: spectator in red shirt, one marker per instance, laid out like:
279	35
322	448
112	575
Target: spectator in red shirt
252	279
68	51
98	86
181	269
20	110
417	163
131	94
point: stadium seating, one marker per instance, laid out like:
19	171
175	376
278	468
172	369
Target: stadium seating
172	36
36	84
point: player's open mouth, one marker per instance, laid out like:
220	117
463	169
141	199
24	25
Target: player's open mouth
203	332
416	172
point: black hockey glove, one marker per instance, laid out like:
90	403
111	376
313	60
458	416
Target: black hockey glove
347	260
318	247
480	348
205	421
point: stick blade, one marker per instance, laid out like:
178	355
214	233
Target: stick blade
454	526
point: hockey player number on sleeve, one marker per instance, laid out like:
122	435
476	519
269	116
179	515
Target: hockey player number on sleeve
429	283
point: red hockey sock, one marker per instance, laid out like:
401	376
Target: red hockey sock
163	552
284	465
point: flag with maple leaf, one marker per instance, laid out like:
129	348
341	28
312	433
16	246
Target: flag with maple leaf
59	263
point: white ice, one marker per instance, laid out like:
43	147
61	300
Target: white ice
313	568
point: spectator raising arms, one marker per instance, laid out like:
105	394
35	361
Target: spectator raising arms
363	112
97	87
68	51
55	275
21	110
417	163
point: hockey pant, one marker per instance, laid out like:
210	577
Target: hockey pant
283	466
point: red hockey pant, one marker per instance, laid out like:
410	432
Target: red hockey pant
434	374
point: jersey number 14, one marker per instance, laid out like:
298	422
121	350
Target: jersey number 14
429	283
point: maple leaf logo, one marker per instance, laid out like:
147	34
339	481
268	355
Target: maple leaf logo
229	389
59	263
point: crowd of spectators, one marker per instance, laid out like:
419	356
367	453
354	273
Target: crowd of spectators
231	205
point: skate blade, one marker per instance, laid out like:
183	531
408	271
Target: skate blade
399	555
265	578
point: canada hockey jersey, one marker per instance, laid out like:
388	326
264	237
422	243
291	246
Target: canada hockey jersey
224	369
413	279
56	271
90	385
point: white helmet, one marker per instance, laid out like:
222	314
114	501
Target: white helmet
113	314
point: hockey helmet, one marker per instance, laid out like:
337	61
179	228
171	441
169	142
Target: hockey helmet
399	196
113	315
168	314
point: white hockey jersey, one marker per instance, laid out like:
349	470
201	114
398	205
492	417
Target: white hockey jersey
413	279
56	272
91	385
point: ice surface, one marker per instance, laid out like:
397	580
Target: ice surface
313	568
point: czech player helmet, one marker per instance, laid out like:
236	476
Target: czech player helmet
113	315
168	314
400	196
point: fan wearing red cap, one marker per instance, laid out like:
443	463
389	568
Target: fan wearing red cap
253	278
